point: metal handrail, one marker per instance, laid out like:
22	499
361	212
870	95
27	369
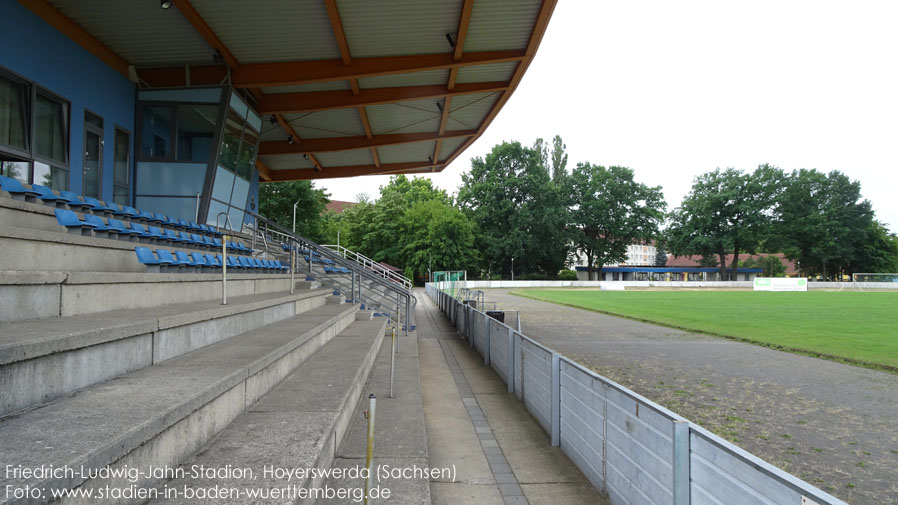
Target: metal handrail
227	221
370	264
396	287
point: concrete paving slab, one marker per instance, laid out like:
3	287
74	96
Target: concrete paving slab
394	490
451	439
443	493
562	494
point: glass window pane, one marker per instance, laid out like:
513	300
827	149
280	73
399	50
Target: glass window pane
53	177
247	156
12	113
156	129
51	128
184	208
230	142
122	155
224	183
91	167
196	131
93	119
18	170
120	195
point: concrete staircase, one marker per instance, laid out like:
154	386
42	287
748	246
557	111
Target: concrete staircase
123	371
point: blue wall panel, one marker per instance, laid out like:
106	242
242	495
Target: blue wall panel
38	52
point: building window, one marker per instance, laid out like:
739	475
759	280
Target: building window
13	113
156	126
121	167
53	177
19	170
51	128
196	132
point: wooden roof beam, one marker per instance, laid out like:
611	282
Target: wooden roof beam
288	73
275	103
462	34
331	144
264	171
295	136
199	24
55	18
350	171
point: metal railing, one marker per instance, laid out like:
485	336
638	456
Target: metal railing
370	264
358	272
629	447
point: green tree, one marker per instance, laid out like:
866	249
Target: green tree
660	256
436	234
276	201
822	221
610	212
878	253
559	160
520	214
726	211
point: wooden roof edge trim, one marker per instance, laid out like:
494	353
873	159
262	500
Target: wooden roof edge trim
332	144
55	18
348	171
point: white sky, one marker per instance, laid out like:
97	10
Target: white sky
675	89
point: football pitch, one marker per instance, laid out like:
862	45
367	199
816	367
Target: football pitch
859	327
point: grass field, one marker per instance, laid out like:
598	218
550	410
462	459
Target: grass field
854	326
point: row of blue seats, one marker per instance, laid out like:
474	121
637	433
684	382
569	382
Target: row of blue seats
113	228
88	204
336	270
300	250
180	259
323	261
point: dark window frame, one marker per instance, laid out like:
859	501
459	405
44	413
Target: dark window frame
26	113
67	124
130	172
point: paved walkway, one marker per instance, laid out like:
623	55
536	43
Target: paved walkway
500	454
831	424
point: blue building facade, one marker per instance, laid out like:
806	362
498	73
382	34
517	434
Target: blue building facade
71	122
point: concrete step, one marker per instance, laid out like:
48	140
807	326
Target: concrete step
26	249
160	415
43	359
298	425
28	295
400	438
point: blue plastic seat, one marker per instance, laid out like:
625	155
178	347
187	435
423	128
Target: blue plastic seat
47	196
193	226
130	212
209	242
166	256
149	217
183	224
162	219
139	231
73	224
172	237
16	190
100	228
155	233
244	262
94	205
197	240
153	264
233	263
200	260
119	227
329	270
184	259
212	260
73	200
217	242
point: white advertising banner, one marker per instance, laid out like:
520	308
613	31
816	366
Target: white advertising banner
781	284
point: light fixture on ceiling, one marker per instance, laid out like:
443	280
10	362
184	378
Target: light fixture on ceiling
274	119
451	39
290	139
440	106
165	4
305	156
430	159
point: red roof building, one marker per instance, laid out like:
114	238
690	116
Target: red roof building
338	206
693	261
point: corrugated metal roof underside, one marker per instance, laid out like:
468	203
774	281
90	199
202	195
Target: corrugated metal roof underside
468	111
404	153
314	86
140	32
286	162
273	30
271	132
404	117
449	146
425	78
326	123
487	73
415	26
498	25
345	158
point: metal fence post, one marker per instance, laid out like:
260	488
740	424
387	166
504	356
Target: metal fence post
511	359
556	399
681	492
486	341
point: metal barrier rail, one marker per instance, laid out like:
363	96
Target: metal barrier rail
370	264
630	448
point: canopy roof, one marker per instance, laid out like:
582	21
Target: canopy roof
348	87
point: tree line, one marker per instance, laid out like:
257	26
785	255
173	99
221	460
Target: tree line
520	208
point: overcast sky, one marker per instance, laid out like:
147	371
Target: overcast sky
675	89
